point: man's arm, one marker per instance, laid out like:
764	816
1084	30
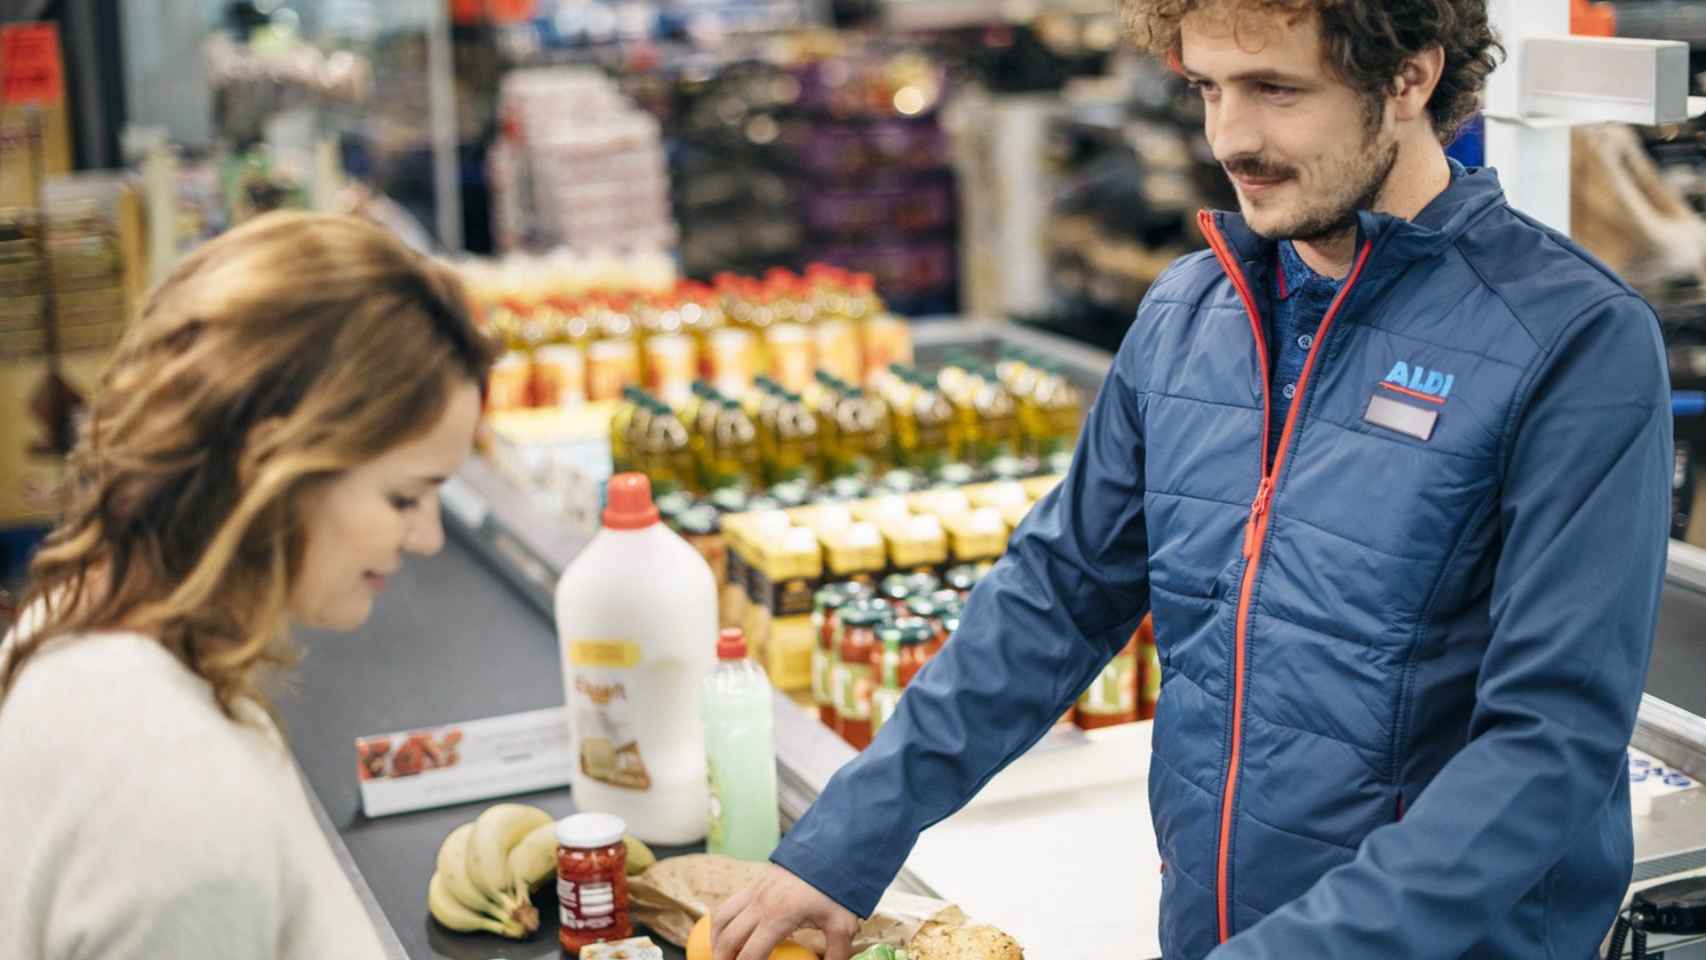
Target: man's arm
1058	606
1584	516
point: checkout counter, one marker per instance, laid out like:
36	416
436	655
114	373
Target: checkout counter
469	634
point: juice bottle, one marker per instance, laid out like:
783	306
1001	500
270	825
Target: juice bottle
613	360
559	364
510	384
738	711
670	352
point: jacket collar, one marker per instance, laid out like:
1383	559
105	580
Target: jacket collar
1397	242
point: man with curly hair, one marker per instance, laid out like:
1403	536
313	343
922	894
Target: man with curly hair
1389	463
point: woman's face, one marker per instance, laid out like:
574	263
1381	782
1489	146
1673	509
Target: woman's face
359	525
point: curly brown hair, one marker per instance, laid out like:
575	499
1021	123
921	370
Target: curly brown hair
1367	42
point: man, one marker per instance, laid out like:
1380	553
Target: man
1390	464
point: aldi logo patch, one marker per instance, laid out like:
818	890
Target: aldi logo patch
1431	384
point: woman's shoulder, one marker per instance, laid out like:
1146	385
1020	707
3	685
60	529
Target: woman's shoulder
108	703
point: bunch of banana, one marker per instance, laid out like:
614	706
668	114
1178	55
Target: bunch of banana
488	870
475	887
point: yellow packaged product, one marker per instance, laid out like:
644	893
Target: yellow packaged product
998	495
879	510
978	535
785	577
1038	487
855	553
945	505
916	543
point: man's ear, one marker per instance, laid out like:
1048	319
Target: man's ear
1417	80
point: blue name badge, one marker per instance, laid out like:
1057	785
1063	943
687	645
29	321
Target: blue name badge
1400	417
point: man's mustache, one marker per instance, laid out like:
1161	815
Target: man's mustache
1255	168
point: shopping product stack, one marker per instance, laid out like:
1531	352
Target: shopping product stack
872	168
69	281
850	600
576	164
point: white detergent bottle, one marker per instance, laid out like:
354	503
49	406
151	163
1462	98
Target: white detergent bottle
637	625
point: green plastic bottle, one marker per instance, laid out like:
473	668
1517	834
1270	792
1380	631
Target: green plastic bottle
738	710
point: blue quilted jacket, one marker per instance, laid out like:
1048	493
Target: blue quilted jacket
1400	667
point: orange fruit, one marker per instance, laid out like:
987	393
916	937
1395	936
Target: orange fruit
699	945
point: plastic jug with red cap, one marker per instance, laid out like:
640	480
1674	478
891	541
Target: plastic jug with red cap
637	623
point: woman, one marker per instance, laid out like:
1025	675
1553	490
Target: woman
265	446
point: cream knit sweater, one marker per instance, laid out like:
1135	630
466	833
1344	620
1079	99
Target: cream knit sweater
137	821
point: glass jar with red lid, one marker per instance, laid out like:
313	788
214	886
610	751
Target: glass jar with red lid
592	881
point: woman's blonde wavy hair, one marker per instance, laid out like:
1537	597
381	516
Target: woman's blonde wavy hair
183	519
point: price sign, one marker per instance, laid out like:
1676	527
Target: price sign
31	71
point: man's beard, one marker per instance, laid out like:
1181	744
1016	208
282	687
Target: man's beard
1361	178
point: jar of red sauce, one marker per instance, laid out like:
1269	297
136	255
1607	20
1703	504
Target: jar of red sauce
855	673
592	881
915	635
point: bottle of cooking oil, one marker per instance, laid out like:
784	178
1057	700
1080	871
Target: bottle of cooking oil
666	455
894	387
622	456
795	452
638	426
997	419
863	434
1062	405
688	411
735	458
702	429
933	423
820	398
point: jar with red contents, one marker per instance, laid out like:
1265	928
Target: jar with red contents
855	677
825	605
915	635
592	881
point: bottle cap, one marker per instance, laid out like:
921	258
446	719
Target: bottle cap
589	831
628	504
731	644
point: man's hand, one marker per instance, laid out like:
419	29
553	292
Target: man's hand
752	922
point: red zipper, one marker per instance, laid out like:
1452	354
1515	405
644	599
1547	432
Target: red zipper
1255	530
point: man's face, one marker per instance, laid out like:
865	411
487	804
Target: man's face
1300	145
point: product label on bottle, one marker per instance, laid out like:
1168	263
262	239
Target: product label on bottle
1115	690
603	712
855	684
586	906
